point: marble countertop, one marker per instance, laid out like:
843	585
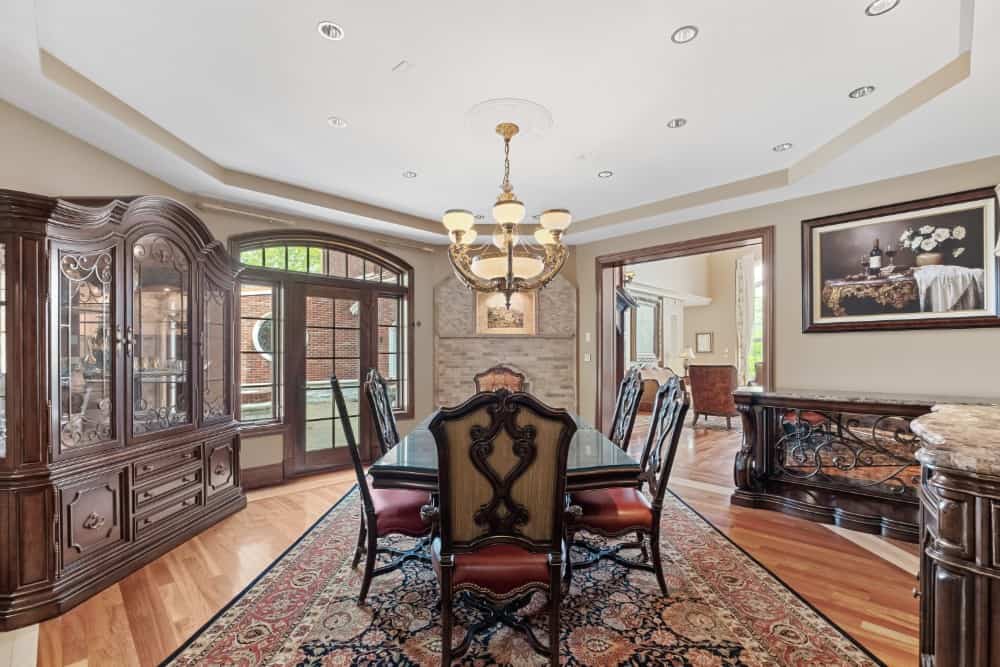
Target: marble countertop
961	437
857	396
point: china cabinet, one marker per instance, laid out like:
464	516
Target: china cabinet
117	432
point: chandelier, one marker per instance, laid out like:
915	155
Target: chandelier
510	263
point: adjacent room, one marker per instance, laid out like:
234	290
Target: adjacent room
659	333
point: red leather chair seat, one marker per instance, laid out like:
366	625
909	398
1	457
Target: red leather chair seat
398	511
614	510
501	569
813	418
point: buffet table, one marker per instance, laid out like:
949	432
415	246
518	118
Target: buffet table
833	457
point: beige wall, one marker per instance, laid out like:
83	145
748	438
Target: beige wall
945	363
679	275
718	317
37	157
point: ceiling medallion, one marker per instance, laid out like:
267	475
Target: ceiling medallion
509	264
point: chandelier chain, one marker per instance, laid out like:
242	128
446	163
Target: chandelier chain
506	187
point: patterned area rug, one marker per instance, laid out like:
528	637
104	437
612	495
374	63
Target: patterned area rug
723	609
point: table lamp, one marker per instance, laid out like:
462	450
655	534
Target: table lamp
687	355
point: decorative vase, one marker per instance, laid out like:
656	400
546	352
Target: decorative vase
929	258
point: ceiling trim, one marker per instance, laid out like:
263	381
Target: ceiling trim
921	93
66	77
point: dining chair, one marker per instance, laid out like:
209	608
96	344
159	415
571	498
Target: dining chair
500	512
380	405
626	408
499	377
385	512
619	511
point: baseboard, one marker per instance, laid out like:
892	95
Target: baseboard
255	478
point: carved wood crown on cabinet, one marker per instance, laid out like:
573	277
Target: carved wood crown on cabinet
117	437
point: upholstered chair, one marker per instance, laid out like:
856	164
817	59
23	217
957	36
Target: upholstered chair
620	511
385	512
500	512
712	388
499	377
626	408
380	406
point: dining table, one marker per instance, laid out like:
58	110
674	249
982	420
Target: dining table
594	461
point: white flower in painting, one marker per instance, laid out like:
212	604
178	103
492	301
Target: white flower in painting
915	243
957	252
928	244
926	230
904	238
942	234
958	233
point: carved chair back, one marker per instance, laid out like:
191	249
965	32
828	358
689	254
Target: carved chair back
381	408
626	407
502	472
499	377
665	428
352	446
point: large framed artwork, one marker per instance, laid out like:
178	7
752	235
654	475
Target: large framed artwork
493	318
923	264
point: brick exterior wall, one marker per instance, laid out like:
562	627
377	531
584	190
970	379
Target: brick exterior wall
547	360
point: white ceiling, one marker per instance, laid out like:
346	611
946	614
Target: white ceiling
250	84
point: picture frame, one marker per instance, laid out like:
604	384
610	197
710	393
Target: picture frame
493	318
704	342
923	264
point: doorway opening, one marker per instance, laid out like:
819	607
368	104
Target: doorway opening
706	302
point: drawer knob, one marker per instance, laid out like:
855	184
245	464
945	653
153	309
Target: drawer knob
146	495
188	455
148	467
188	479
916	593
188	502
220	469
94	521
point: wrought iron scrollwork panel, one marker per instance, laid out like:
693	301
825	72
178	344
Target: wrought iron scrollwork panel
874	453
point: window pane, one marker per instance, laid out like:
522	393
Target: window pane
298	259
388	339
348	343
319	311
274	258
319	342
338	263
388	310
388	366
348	313
355	267
252	257
259	377
389	276
318	372
315	260
373	272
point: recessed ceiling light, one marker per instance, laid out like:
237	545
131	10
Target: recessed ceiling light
337	122
409	174
781	148
675	123
863	91
879	7
330	30
605	174
684	34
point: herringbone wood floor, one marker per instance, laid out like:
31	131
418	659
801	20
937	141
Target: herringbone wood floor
140	620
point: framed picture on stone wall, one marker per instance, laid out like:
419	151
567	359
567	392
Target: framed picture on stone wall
493	318
924	264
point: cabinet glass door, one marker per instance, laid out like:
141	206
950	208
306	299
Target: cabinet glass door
215	400
159	337
86	352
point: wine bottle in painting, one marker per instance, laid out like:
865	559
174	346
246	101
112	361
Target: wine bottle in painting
875	260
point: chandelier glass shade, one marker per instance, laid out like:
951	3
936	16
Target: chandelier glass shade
513	262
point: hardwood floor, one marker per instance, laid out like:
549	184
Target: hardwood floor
147	615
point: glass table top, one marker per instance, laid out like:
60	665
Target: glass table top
589	451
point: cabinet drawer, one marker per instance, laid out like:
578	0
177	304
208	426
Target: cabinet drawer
149	494
151	466
91	515
221	466
169	510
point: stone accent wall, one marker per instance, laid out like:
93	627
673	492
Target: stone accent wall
548	359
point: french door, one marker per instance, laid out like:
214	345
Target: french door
330	341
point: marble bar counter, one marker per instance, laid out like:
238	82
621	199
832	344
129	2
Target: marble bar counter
959	585
847	458
960	437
